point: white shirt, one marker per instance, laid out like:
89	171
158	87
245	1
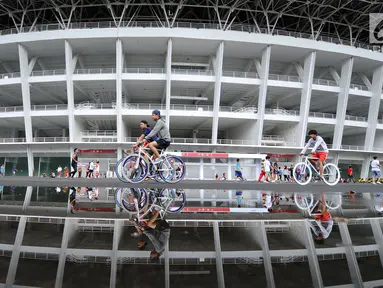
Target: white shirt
267	165
317	145
59	169
268	202
375	165
97	167
91	166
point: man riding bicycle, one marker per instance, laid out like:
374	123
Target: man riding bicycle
319	150
163	134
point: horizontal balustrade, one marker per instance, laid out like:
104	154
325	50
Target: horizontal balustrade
191	25
12	140
51	139
193	72
280	111
10	75
48	72
92	105
101	133
325	82
239	74
144	70
11	109
359	87
322	115
49	107
95	71
284	78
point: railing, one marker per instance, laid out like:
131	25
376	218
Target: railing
380	121
247	109
353	147
359	87
143	106
239	74
51	139
49	107
279	111
95	71
234	27
48	72
322	115
144	70
284	78
12	140
10	75
97	133
356	118
11	109
92	105
193	72
325	82
273	137
201	108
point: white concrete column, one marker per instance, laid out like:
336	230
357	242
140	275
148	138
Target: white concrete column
378	235
201	169
308	76
27	198
365	166
69	88
350	255
168	69
373	112
335	160
264	75
217	91
344	85
31	163
119	67
118	224
219	263
16	252
26	95
229	167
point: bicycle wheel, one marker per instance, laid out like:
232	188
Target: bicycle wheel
304	201
172	200
134	172
129	195
302	173
117	198
331	174
333	202
172	169
119	173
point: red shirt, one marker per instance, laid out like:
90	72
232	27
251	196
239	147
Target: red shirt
349	171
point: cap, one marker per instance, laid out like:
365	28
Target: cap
156	112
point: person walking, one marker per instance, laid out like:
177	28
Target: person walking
74	163
350	174
2	170
375	168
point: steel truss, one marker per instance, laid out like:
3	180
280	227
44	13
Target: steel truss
343	19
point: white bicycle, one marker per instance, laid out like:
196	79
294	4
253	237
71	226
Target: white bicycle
306	202
303	172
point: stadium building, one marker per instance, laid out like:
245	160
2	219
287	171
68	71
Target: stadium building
233	79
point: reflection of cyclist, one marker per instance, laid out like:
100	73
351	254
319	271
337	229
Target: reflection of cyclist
319	150
146	129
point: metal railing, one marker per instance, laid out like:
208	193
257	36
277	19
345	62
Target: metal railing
281	111
239	74
92	105
51	139
356	118
11	109
49	107
353	147
359	87
273	137
193	72
284	78
247	109
48	72
325	82
200	108
322	115
380	121
95	71
10	75
145	24
143	106
101	133
144	70
12	140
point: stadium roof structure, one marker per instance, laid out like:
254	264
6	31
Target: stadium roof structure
345	20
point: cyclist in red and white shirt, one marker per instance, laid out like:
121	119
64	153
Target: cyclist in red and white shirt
319	150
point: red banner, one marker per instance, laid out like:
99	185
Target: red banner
101	151
100	209
282	155
206	209
207	155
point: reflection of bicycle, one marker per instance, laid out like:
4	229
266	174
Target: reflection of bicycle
306	202
142	201
303	172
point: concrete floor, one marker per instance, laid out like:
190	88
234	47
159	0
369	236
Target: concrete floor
86	275
36	273
42	234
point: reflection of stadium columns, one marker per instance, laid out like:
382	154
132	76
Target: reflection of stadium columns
168	66
350	255
119	65
69	87
365	166
16	252
378	235
118	226
218	252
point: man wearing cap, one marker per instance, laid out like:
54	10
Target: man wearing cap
163	134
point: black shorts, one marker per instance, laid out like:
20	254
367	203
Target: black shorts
162	143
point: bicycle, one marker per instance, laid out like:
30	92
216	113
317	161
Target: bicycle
304	170
306	202
137	201
135	168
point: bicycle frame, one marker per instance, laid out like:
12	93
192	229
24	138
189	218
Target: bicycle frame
153	206
308	163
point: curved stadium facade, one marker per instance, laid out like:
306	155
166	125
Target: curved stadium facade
229	78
